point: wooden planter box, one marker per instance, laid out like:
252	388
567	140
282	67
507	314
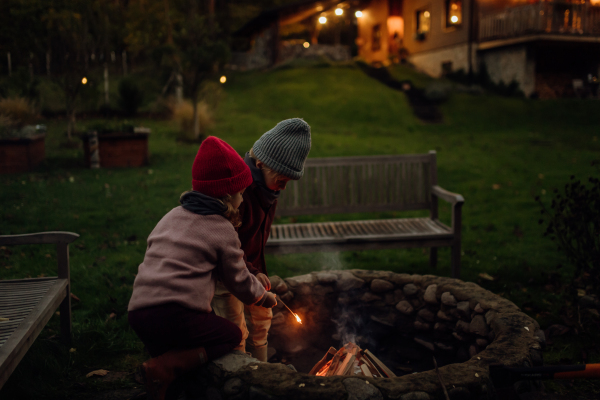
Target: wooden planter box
22	154
119	149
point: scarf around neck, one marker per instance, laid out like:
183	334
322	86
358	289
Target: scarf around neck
257	176
202	204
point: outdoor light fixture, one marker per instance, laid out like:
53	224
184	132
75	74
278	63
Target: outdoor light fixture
358	14
339	11
426	14
84	80
322	20
454	19
306	45
223	79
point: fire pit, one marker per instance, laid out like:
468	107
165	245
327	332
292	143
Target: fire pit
404	320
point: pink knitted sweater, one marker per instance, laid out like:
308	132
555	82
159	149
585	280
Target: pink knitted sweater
186	254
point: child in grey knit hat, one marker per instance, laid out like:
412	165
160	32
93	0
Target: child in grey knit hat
277	157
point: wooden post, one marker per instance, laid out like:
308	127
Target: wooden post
62	252
9	64
94	150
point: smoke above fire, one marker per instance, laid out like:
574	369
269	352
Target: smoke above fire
331	261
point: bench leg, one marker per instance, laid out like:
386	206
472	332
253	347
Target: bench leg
455	260
433	257
65	319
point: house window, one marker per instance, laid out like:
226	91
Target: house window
453	13
376	45
423	22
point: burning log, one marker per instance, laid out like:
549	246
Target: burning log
351	360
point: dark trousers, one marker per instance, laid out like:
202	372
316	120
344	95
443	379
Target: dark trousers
172	326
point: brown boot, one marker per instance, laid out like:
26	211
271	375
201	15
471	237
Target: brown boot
159	372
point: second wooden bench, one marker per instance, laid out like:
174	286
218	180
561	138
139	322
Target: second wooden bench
344	185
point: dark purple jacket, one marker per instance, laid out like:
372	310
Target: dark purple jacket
257	216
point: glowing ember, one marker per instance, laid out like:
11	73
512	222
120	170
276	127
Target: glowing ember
298	318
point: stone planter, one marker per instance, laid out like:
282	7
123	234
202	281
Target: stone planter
120	149
22	154
397	316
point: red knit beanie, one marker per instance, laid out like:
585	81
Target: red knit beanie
218	170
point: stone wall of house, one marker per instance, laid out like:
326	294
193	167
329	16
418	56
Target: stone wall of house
506	64
440	315
430	62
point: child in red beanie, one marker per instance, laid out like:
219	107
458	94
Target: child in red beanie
191	247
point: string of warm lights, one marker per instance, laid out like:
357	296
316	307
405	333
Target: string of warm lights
339	12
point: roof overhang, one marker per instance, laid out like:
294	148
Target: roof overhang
288	14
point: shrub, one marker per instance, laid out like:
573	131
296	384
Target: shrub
437	91
573	222
18	110
7	127
130	96
183	113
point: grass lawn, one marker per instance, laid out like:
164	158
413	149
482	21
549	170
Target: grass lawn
499	153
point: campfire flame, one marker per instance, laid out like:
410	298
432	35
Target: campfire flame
351	360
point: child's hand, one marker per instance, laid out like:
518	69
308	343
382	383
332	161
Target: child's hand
270	301
264	280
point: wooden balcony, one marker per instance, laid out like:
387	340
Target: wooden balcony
551	18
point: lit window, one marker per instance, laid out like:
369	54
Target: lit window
423	21
453	13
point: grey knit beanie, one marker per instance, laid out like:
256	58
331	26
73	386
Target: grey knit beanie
285	147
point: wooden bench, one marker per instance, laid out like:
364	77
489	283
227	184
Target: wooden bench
368	184
30	303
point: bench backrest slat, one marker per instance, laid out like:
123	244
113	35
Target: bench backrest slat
361	184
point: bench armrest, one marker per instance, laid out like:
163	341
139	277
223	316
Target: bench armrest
61	240
450	197
39	238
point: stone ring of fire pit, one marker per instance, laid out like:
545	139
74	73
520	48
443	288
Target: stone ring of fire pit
463	325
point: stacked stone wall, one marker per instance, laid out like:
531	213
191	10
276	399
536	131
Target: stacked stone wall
441	315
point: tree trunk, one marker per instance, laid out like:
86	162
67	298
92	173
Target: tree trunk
124	59
179	88
70	99
106	98
71	123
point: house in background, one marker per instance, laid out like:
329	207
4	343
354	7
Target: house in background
306	29
550	48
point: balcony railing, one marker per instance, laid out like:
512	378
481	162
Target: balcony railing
544	17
